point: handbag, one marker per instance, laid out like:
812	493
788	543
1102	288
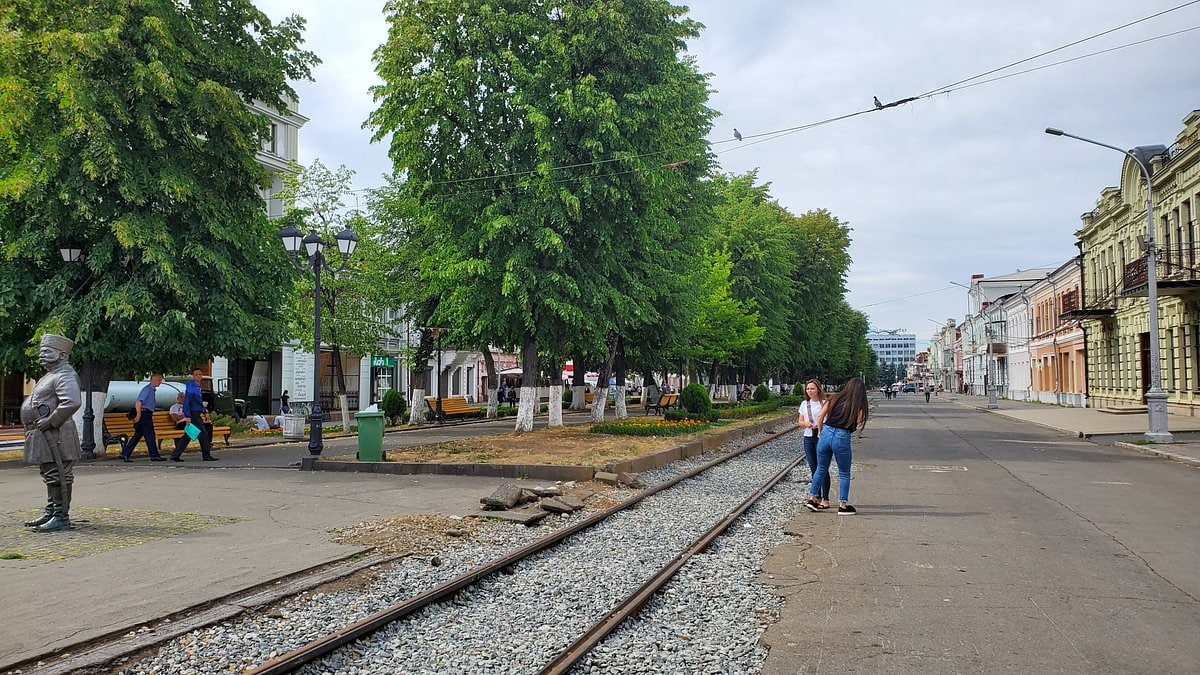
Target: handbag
811	420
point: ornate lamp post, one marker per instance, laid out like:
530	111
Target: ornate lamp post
71	252
314	248
1156	398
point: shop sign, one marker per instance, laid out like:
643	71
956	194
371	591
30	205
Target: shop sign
383	362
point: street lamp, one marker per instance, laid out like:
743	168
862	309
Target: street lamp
314	248
1156	398
71	252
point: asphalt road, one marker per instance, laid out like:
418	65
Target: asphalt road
987	545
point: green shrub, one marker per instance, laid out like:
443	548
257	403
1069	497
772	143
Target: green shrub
761	393
694	399
798	389
678	415
506	411
393	405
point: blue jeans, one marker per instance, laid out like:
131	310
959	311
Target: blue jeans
833	444
810	455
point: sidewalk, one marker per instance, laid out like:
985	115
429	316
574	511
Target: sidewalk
155	538
1125	430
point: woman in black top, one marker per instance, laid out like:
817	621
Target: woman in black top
837	421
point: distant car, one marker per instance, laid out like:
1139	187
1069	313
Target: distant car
910	388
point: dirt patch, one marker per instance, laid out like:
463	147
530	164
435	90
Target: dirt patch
410	535
571	445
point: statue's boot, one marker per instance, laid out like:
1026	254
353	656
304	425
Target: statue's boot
48	512
61	520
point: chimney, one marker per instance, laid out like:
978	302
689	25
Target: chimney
976	276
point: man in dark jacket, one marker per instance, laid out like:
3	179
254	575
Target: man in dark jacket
194	411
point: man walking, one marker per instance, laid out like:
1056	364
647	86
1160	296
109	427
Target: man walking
928	390
143	421
193	409
51	440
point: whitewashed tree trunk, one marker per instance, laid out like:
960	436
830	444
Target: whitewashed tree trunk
493	402
555	405
99	398
619	406
578	398
344	405
526	409
416	412
599	401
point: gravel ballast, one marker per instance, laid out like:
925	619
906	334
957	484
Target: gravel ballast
708	619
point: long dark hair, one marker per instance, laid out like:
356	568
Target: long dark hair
850	401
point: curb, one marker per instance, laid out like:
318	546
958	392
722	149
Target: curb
548	471
1153	450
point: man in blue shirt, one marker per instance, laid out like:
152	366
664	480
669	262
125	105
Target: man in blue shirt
143	421
194	411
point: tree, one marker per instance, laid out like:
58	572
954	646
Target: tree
484	107
125	126
351	300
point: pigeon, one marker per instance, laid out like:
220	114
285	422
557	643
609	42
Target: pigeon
878	105
737	134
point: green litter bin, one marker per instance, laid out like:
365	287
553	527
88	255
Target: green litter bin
370	436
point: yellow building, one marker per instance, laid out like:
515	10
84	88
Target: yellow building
1112	305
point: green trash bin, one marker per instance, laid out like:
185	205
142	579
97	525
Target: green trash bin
370	436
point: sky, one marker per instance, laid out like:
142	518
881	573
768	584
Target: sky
936	189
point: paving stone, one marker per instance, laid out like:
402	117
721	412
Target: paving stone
542	491
556	505
633	480
523	516
505	497
572	501
607	478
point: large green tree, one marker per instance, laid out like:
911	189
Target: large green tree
529	141
125	125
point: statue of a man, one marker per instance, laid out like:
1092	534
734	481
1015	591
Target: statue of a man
51	440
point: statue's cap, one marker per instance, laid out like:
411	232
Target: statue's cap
58	342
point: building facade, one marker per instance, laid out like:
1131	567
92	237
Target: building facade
1113	307
893	347
1056	344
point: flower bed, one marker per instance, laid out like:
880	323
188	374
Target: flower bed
649	426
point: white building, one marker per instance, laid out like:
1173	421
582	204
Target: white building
893	347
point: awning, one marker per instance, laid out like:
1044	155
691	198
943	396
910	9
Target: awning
515	370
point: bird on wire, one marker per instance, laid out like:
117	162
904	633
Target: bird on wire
737	134
878	105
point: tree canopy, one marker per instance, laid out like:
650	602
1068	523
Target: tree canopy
127	126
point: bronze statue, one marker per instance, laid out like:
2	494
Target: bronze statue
51	440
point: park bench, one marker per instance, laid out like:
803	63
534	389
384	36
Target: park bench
665	401
12	436
453	405
119	429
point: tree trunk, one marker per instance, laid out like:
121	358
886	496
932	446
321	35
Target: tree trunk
600	398
579	384
554	404
493	398
98	374
527	408
420	370
619	373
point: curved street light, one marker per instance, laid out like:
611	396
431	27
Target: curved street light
314	248
1156	398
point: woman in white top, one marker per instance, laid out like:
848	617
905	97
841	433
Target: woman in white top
809	413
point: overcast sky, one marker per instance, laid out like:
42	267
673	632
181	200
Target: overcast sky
935	190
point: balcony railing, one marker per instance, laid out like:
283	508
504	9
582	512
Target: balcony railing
1175	269
1090	304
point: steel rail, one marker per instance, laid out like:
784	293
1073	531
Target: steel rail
638	599
290	661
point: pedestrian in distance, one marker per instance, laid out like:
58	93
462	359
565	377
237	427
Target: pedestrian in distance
143	422
928	391
284	408
809	412
194	412
845	413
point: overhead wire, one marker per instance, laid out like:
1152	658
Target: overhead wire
763	137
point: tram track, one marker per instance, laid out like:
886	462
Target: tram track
566	657
125	652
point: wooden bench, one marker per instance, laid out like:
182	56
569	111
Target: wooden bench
665	401
453	405
119	429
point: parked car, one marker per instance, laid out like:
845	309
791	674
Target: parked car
910	388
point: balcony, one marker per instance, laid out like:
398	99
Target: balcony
1093	305
1175	270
